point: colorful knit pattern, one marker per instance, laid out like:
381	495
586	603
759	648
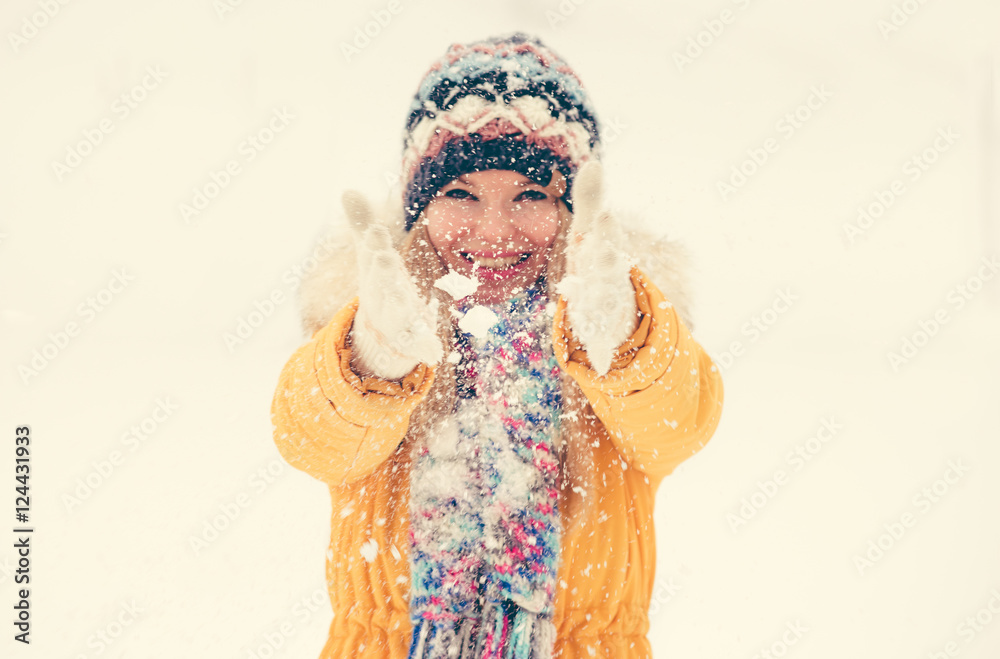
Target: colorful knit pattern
507	103
484	519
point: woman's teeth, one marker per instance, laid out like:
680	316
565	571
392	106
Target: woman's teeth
495	263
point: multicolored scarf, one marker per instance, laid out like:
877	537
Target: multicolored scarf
484	519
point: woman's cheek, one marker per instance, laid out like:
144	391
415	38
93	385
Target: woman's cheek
542	233
443	231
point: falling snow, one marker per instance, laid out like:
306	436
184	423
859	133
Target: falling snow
457	285
369	550
477	321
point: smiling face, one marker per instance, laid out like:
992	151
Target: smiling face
496	226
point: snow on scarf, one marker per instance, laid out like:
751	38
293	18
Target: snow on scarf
484	521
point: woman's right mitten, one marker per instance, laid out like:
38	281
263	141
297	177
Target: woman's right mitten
394	329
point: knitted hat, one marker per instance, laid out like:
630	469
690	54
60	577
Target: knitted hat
502	103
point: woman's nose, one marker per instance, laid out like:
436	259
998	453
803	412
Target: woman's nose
495	226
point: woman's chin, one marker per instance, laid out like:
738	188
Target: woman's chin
490	293
496	292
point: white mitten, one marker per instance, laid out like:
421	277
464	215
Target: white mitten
394	329
600	299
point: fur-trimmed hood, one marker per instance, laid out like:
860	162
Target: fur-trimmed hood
333	282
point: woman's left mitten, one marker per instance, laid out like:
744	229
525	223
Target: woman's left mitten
600	299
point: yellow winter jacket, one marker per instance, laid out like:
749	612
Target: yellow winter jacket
659	404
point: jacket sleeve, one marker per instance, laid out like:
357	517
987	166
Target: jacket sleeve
662	399
329	422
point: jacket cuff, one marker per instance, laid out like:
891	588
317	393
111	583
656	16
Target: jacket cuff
369	355
359	397
625	352
638	361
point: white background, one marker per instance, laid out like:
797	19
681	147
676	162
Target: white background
682	127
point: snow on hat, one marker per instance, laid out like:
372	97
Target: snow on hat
501	103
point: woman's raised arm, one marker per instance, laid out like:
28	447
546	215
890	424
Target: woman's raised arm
333	424
662	399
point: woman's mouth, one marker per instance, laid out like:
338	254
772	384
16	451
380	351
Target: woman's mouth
493	266
499	262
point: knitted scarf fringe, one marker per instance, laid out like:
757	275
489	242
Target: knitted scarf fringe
525	635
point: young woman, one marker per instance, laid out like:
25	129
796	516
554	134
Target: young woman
495	409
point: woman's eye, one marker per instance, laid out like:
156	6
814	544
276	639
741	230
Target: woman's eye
459	193
531	195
